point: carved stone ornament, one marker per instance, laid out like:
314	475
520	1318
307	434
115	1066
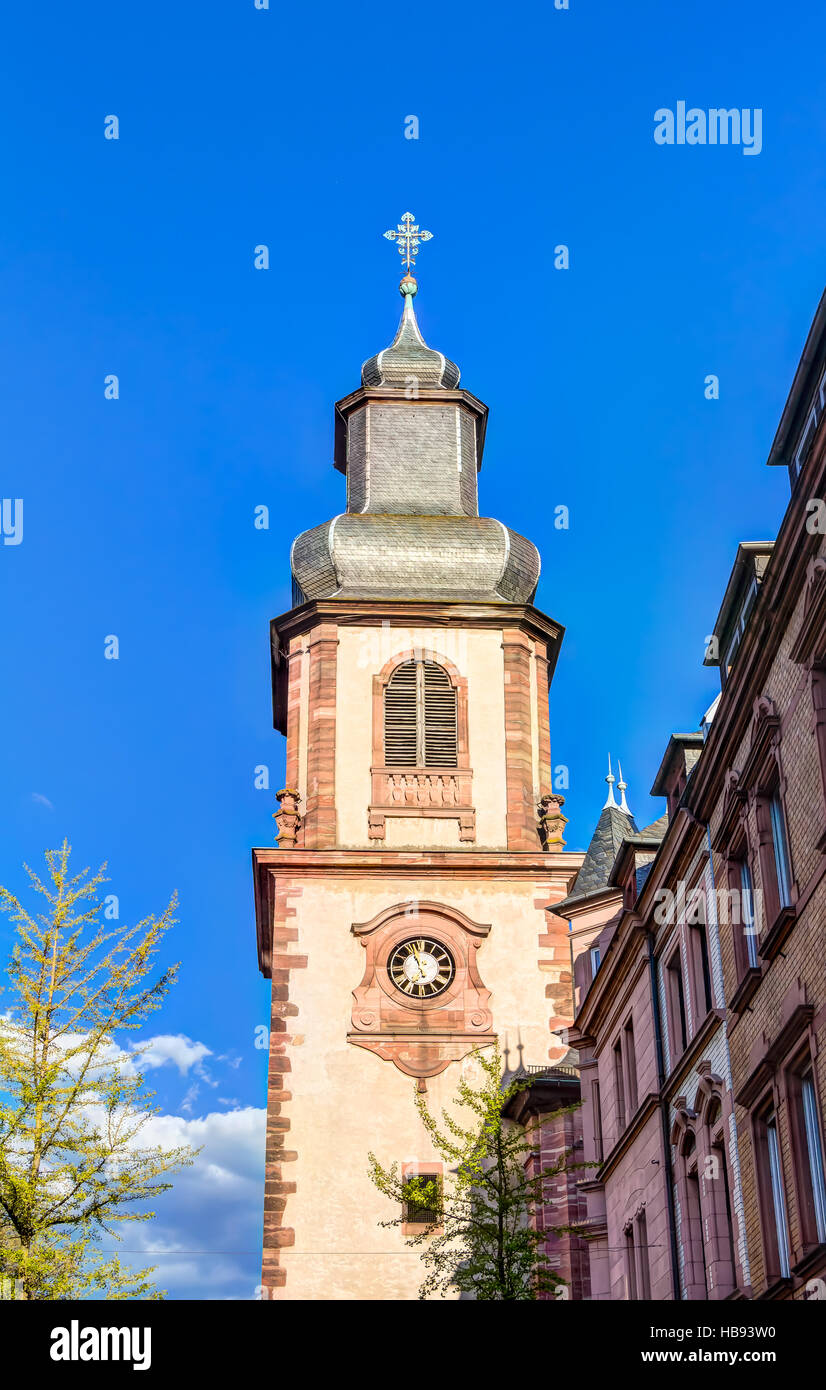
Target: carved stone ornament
551	821
287	818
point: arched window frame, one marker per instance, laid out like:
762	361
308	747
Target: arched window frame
699	1135
431	792
459	683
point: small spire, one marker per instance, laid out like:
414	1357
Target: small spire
622	787
409	362
610	779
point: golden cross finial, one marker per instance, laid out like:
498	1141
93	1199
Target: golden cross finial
407	236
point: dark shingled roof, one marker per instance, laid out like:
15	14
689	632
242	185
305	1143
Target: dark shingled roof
409	357
612	828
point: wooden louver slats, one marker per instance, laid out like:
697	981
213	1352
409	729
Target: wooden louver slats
420	724
400	723
439	717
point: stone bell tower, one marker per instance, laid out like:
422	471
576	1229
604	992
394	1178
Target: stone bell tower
402	915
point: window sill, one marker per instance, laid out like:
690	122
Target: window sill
746	989
814	1255
432	792
779	930
779	1287
420	1228
703	1022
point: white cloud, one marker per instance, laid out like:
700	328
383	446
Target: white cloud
190	1097
206	1236
176	1048
205	1239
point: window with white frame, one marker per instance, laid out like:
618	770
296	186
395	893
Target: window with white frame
781	851
747	922
807	1150
773	1192
814	1150
807	434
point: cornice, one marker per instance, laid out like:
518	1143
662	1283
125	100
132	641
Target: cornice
714	1019
777	597
579	907
350	612
271	863
647	1107
606	988
419	612
679	844
802	388
430	395
312	862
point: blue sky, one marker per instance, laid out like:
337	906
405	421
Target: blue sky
240	127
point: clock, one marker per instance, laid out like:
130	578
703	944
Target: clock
421	967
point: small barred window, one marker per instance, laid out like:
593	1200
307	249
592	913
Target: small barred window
423	1213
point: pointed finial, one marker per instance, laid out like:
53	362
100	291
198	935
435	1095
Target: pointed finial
622	787
407	237
610	779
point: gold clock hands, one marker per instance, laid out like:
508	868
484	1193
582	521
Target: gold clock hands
418	957
413	953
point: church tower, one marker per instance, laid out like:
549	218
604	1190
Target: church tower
402	916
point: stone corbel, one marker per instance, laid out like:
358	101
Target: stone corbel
287	818
551	822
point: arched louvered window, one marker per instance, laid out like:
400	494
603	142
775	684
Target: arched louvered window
420	728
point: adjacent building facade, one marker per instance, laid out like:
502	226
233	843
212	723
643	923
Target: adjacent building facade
701	977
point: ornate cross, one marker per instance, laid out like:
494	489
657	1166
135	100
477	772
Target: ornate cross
408	236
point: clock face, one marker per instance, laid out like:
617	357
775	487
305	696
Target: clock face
421	967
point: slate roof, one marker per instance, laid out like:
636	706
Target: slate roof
410	556
612	828
409	357
648	839
411	528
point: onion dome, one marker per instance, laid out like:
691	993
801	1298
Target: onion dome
409	441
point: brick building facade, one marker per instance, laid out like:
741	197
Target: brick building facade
701	965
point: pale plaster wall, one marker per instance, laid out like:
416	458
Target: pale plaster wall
422	832
362	652
346	1101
